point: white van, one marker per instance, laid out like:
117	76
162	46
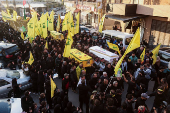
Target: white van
119	36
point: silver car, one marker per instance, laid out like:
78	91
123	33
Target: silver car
6	77
164	54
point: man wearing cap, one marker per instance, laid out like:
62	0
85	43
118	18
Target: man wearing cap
159	98
65	83
141	101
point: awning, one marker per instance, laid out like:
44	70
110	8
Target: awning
77	10
123	18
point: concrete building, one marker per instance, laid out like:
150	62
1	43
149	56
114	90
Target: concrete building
152	16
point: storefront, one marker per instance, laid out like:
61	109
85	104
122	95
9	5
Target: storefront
87	14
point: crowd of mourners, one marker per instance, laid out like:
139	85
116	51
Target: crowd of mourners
98	88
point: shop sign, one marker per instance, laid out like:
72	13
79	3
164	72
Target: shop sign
85	7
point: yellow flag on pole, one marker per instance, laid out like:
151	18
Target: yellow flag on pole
50	22
71	25
46	45
31	59
58	23
44	26
113	46
31	29
14	15
68	44
134	43
77	23
53	87
22	35
5	16
8	11
155	53
101	24
142	55
64	24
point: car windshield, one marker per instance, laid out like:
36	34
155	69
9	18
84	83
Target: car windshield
127	41
12	49
13	74
117	39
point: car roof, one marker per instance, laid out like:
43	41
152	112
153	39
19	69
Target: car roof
118	33
165	49
83	27
6	45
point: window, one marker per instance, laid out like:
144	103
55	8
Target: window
127	41
12	49
117	39
3	82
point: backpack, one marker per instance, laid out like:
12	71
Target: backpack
153	74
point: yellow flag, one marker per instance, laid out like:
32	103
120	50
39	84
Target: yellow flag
71	25
44	25
22	35
50	22
58	23
118	64
53	87
47	14
134	43
46	45
5	16
142	55
64	24
31	59
68	44
77	23
8	11
101	24
14	15
31	29
155	53
113	46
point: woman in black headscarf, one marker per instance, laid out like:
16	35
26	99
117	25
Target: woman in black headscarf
16	88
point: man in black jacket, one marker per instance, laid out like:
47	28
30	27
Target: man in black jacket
26	102
83	95
73	77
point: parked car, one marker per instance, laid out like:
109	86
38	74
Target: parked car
6	81
83	28
164	54
92	29
9	105
8	53
5	106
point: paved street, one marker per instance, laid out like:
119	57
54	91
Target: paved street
73	97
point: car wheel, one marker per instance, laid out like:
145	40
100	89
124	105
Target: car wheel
10	94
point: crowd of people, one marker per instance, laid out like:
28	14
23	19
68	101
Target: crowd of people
97	85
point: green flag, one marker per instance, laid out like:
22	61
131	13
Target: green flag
24	14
